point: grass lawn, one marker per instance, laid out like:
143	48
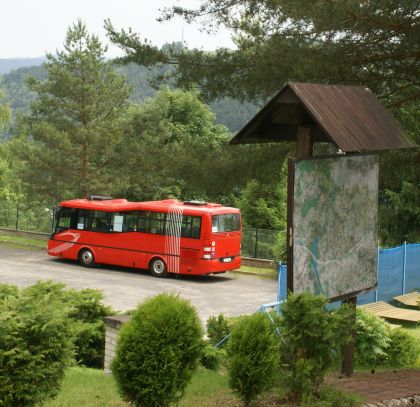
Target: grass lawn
271	272
85	387
23	242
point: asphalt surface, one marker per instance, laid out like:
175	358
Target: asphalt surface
231	293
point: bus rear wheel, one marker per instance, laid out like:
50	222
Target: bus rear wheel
86	258
158	268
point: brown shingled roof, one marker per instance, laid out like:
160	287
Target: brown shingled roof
350	117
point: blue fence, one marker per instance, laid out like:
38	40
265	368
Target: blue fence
398	273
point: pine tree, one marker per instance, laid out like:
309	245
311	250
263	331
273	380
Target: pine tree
76	121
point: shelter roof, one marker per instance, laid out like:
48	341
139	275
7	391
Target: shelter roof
350	117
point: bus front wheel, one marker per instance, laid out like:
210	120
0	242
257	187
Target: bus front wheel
158	268
86	258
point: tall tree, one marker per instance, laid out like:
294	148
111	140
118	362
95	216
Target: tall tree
76	121
375	43
4	113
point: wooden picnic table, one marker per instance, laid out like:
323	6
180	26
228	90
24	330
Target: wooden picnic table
388	311
411	299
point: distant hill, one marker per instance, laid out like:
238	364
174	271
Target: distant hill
8	64
232	113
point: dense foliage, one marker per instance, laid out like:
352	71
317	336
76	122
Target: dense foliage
378	345
75	122
253	357
84	312
35	347
312	337
373	43
218	327
157	351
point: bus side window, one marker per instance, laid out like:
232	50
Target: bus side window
144	222
157	223
130	223
100	221
196	227
82	218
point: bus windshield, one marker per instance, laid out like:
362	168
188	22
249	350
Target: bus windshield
228	222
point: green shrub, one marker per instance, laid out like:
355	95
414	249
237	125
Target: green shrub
211	357
312	337
35	348
157	351
217	328
7	290
86	312
252	357
404	349
331	397
373	338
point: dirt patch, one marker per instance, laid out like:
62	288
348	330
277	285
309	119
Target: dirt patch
380	386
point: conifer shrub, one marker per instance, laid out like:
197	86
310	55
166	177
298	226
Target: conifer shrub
312	337
252	357
404	349
212	357
85	312
217	329
373	338
157	351
35	348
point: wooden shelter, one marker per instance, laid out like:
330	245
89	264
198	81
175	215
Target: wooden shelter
350	117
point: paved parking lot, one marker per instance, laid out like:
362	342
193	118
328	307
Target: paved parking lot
231	293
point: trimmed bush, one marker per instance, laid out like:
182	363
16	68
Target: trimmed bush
312	337
35	348
211	357
157	351
86	312
331	397
217	328
252	357
404	349
373	338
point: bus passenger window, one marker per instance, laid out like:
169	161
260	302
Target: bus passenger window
196	226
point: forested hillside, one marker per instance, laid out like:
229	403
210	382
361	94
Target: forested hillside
229	112
9	64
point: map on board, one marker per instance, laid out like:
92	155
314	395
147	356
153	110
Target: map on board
335	221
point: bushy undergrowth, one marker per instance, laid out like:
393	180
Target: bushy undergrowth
212	357
217	329
331	397
377	345
312	337
253	357
35	347
84	311
157	351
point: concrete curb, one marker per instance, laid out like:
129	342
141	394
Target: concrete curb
413	401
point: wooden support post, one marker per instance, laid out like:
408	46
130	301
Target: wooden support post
347	350
304	147
304	143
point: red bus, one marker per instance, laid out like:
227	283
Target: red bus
164	237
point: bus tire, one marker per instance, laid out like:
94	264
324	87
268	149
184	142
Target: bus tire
86	258
158	268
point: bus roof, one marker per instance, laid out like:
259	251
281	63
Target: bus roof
121	205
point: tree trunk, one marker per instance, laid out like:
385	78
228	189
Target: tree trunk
85	172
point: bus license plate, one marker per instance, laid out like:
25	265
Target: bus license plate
227	259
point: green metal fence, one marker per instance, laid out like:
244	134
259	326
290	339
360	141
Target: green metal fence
37	218
259	243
